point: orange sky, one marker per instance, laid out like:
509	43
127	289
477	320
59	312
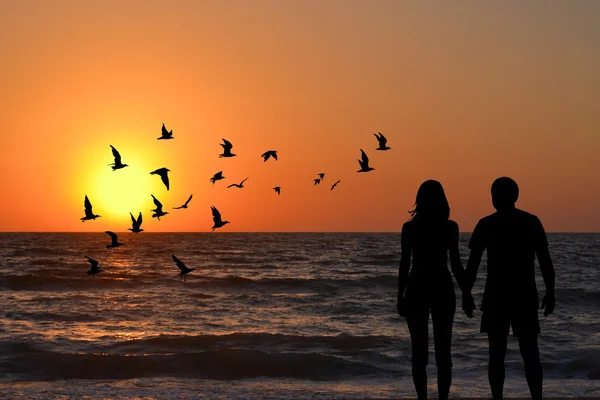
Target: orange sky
465	92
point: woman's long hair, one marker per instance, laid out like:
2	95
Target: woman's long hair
431	203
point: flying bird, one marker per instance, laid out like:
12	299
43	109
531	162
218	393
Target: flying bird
227	149
166	134
117	164
334	185
364	164
135	224
186	203
93	267
184	270
382	142
270	153
322	175
277	189
114	242
240	185
164	175
88	210
317	181
217	218
158	211
217	177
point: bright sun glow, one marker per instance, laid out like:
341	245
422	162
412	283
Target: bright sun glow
117	193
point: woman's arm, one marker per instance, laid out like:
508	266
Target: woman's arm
455	261
406	248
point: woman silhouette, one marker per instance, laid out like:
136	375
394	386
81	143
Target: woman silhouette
429	236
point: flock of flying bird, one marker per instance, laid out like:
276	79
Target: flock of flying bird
136	223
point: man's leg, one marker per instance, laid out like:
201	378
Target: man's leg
497	352
418	321
533	367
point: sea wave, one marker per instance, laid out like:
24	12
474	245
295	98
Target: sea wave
226	364
47	280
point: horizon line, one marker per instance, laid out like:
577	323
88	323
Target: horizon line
246	232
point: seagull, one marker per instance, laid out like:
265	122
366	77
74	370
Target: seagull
88	210
217	177
93	268
114	242
184	270
382	142
163	173
227	149
240	185
186	203
117	164
217	218
334	185
317	181
270	153
166	134
158	211
364	164
322	175
277	189
135	224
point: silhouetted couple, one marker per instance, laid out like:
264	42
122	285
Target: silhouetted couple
512	238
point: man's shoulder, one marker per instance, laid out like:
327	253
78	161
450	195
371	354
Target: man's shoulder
528	217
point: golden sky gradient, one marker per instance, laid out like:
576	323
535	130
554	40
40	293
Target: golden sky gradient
465	92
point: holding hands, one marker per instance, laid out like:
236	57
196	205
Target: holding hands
468	304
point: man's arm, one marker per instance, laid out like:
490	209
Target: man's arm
472	267
543	256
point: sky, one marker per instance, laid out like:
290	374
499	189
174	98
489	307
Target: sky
465	92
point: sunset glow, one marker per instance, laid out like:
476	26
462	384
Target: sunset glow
461	99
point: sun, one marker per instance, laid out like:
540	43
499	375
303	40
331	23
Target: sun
117	193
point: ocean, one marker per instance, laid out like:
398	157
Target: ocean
264	316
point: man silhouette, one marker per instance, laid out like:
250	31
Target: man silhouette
512	238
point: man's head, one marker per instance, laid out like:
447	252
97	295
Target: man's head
505	193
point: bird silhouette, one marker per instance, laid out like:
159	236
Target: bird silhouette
186	203
382	142
364	164
334	185
240	185
217	177
270	153
93	267
114	241
117	164
164	175
218	222
322	175
277	189
227	149
88	210
166	134
135	224
317	182
158	211
184	270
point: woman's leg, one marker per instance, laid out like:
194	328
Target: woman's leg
442	316
418	320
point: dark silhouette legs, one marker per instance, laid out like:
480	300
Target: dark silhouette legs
533	367
497	352
442	316
531	358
